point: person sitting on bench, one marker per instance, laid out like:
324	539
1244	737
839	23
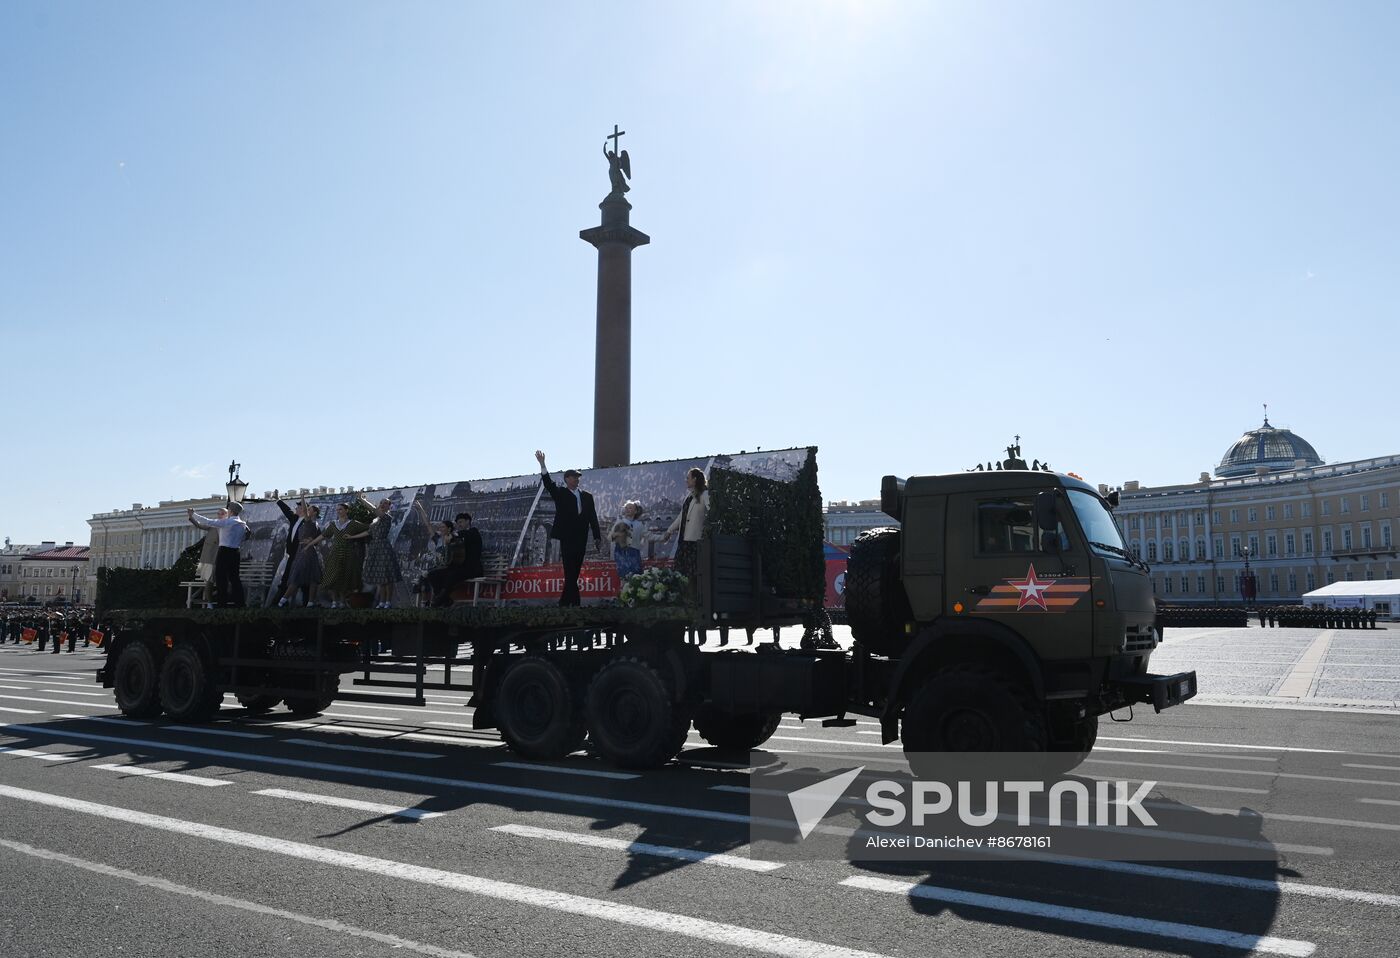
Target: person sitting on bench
463	562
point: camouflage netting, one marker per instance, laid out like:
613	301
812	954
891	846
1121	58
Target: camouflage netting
785	516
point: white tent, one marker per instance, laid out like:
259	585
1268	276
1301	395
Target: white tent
1383	595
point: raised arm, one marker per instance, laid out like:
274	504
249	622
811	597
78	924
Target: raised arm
286	510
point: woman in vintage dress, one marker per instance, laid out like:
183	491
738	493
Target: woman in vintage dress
690	524
435	556
347	556
306	567
381	563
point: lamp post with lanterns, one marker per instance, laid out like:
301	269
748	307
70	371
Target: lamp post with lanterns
1247	585
235	486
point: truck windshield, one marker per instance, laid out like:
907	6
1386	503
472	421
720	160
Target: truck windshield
1097	522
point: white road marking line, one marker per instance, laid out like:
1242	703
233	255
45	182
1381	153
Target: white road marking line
400	708
832	741
21	711
1378	801
1263	748
397	811
26	698
76	692
326	924
50	675
31	753
1083	916
141	770
359	718
1307	819
197	730
1240	771
568	770
466	727
1379	768
635	916
16	688
367	749
110	719
641	848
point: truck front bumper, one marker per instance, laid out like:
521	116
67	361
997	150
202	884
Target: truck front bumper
1160	691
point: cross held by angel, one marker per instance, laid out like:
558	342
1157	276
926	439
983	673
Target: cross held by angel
619	163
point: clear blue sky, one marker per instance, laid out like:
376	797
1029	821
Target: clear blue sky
338	241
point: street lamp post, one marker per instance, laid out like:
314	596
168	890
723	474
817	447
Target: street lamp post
235	486
1247	590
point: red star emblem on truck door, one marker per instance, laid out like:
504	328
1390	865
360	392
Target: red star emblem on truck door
1032	590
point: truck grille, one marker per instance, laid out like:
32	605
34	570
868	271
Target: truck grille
1139	638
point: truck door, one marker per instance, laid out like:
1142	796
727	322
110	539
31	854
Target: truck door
1010	572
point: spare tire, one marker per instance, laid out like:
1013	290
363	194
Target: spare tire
876	605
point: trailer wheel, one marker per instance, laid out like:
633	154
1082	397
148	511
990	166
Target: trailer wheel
257	701
536	710
135	682
187	692
963	709
313	703
633	716
737	733
876	604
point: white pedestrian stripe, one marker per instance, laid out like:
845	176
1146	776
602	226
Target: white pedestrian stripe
359	718
367	749
31	753
397	811
1379	801
76	692
160	884
27	698
1271	773
641	848
568	770
144	772
1378	768
4	708
16	688
514	893
1262	748
109	719
403	708
1082	916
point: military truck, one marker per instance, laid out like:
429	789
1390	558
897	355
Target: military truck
1005	615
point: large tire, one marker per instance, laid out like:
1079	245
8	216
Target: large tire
536	710
634	718
876	604
964	709
313	703
737	733
1067	757
136	681
187	690
257	701
319	688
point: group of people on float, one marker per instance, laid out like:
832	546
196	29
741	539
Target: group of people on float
327	563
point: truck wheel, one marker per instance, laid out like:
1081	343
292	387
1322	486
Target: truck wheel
536	710
962	709
1071	755
738	733
187	693
135	682
257	701
312	703
633	716
876	605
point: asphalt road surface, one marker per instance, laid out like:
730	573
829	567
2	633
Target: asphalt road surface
383	830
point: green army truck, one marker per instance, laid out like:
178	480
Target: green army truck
1004	615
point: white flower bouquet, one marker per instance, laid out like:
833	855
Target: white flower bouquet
653	586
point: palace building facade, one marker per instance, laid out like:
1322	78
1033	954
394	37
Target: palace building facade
1274	507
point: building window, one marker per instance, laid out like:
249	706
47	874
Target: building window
1272	543
1288	510
1201	584
1166	520
1268	512
1385	535
1330	577
1292	583
1365	503
1234	515
1219	547
1346	506
1273	583
1219	584
1235	551
1253	514
1200	549
1152	551
1306	508
1368	574
1307	543
1200	518
1385	500
1215	516
1185	586
1254	545
1326	540
1167	551
1288	543
1184	550
1346	538
1312	581
1133	523
1167	585
1326	508
1366	537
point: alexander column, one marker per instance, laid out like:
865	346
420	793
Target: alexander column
612	378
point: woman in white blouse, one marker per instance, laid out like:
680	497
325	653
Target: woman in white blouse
690	523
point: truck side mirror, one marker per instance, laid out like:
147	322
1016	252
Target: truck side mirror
1046	518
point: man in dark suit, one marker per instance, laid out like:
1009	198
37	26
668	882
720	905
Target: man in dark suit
295	521
574	517
463	562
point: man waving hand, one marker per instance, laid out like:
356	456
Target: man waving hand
574	517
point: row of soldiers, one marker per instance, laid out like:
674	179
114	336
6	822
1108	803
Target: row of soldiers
51	630
1202	617
1292	616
